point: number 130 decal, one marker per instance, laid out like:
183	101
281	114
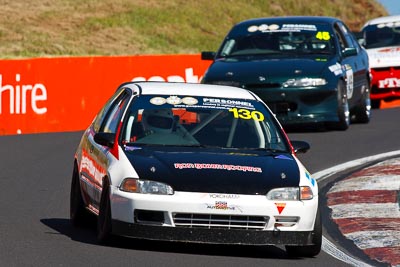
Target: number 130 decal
247	114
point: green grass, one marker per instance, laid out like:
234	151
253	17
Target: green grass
122	27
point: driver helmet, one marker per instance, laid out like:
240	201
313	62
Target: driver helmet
158	120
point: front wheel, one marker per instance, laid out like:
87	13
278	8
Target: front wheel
78	214
311	250
343	110
104	218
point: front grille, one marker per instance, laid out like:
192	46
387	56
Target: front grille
220	221
282	107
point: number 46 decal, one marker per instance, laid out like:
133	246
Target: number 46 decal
247	114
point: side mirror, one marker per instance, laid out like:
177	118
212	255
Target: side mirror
208	55
300	146
347	52
105	139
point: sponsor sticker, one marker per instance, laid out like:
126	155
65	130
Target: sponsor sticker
299	27
227	103
158	101
280	207
389	83
263	28
389	24
349	81
308	176
283	28
91	167
282	157
224	196
223	205
390	50
132	148
212	166
189	101
336	69
173	100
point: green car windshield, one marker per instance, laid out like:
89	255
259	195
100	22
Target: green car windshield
278	39
202	121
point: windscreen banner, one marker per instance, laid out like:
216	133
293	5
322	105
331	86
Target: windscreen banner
41	95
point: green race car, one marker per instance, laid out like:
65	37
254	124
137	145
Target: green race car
309	70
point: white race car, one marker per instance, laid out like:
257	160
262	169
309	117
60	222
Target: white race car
194	163
381	38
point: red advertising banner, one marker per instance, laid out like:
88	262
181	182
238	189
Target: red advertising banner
64	94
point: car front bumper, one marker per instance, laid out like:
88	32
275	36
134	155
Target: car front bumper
385	83
301	105
213	218
212	236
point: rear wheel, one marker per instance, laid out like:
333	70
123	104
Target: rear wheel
104	218
311	250
79	216
363	110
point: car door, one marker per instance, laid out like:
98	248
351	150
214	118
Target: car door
355	64
94	156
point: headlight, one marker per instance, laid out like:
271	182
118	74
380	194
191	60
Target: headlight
145	187
290	193
304	82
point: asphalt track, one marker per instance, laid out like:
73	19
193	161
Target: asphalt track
34	205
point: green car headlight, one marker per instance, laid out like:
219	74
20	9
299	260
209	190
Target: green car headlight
305	82
145	187
290	193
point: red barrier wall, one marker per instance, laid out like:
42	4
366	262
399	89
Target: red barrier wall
64	94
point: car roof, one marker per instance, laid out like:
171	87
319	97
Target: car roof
189	89
291	19
379	20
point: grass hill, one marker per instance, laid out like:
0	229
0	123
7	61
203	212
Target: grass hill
37	28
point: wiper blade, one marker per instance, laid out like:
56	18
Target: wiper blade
138	144
155	144
318	52
269	150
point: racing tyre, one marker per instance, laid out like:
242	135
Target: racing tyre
376	104
78	214
343	109
104	218
313	250
362	112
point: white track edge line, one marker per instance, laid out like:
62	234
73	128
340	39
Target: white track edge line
321	175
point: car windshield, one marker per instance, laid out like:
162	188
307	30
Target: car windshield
278	40
203	122
382	35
